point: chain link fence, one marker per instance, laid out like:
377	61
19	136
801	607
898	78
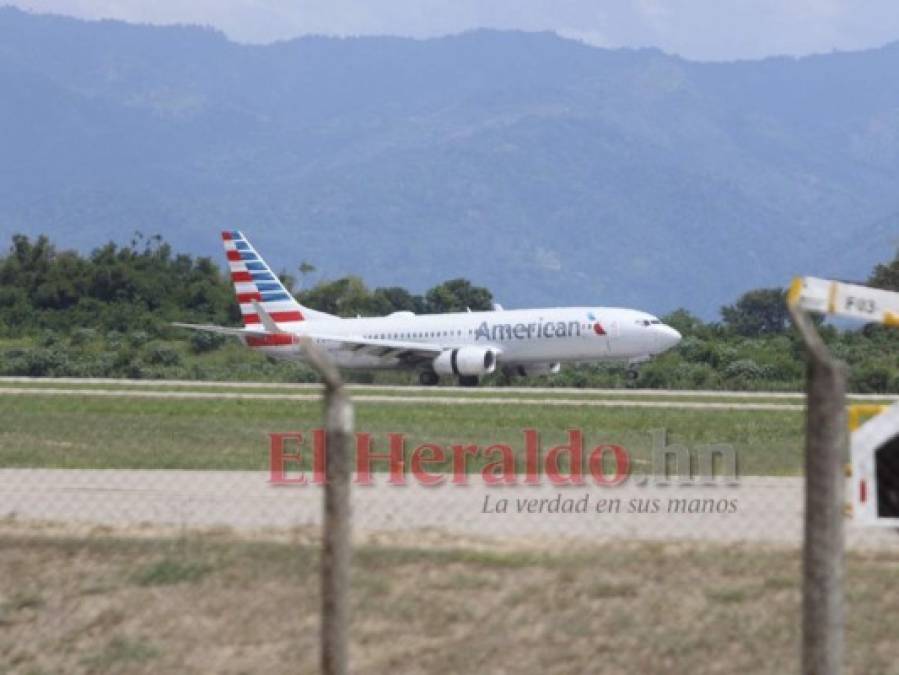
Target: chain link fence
142	531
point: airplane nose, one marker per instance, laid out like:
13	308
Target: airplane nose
674	336
668	337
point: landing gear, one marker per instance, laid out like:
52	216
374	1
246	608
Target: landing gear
468	380
632	374
428	378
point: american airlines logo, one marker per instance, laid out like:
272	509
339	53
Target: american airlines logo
527	331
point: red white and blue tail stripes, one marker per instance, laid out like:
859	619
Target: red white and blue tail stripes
254	281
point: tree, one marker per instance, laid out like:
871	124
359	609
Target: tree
287	280
886	276
305	269
398	299
345	297
682	320
458	295
759	312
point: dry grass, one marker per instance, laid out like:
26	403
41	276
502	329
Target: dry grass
110	602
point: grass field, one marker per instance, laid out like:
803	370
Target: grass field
146	605
85	431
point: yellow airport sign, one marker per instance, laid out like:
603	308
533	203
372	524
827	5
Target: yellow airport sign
853	301
861	413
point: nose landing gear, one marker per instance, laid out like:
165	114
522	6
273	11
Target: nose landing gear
633	367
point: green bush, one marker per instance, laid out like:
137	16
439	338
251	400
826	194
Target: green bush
48	339
695	376
872	379
35	362
82	336
158	354
697	350
744	369
138	338
201	342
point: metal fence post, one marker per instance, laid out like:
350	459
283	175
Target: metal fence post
335	563
826	436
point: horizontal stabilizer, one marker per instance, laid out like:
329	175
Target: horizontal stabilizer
223	330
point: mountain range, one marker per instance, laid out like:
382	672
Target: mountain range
550	171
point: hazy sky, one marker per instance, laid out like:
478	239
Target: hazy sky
696	29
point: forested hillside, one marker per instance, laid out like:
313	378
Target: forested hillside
547	170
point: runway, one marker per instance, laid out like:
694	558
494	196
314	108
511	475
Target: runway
764	510
486	391
757	510
405	400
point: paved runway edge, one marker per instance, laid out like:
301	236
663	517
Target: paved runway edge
767	510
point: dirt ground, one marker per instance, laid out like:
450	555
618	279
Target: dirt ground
77	599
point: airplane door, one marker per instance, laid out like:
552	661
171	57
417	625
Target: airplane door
614	334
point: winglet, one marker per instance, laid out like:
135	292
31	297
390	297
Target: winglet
266	319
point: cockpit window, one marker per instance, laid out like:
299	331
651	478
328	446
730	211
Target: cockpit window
648	322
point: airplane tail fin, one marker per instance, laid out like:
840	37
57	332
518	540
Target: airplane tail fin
257	286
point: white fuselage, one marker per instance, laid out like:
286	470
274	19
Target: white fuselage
519	337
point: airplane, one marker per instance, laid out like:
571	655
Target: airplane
464	345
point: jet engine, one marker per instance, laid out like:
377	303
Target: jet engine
536	369
466	361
